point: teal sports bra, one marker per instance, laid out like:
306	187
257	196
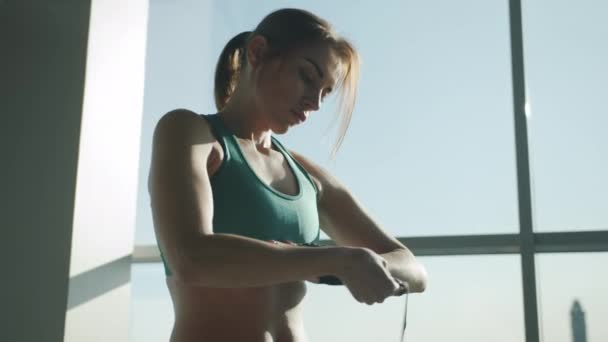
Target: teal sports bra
244	205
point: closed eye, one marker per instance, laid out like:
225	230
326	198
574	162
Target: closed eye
309	80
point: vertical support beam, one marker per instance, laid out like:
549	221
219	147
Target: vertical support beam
71	88
523	174
42	73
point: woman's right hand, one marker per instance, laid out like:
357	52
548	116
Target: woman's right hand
367	277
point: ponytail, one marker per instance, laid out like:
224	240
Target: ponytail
228	68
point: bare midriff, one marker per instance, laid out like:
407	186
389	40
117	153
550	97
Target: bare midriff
256	314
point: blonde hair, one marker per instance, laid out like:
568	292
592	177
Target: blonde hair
286	29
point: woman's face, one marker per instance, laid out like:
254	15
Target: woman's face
293	86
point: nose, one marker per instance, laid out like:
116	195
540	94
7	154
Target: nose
312	102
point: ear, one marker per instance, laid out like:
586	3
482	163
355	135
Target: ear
257	48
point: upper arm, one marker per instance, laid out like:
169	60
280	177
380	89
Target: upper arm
342	217
178	183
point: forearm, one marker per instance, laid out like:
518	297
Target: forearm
404	266
233	261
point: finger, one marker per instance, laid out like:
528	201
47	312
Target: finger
384	291
402	289
371	297
383	295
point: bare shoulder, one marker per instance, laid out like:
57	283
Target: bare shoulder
182	124
182	137
183	127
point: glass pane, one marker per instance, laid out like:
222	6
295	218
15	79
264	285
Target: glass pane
151	308
572	296
566	75
430	149
461	292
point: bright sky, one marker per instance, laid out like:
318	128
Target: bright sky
430	151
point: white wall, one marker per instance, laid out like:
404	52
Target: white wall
109	141
106	185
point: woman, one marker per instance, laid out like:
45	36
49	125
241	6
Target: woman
222	187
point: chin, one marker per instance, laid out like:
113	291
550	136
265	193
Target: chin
282	127
281	130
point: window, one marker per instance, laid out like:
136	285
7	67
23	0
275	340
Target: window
430	152
566	76
572	296
470	298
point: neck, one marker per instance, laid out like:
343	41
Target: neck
246	122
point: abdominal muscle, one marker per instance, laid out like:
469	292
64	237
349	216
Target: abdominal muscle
260	314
